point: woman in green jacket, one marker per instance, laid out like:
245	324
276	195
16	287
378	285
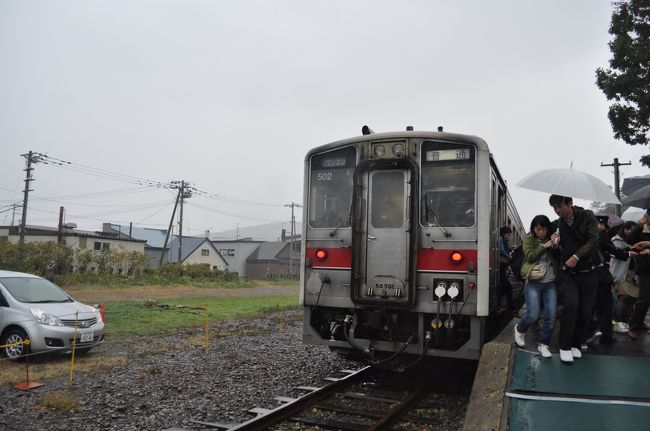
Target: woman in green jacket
540	250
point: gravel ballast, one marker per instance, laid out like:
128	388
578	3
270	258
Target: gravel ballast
167	381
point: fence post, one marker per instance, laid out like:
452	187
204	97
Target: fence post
206	328
281	317
74	343
27	384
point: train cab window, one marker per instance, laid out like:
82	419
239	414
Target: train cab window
387	199
448	184
330	188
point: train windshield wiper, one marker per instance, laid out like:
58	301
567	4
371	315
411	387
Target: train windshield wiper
436	219
346	221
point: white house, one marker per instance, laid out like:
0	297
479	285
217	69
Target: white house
75	238
196	250
78	240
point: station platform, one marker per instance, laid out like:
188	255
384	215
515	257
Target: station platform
516	389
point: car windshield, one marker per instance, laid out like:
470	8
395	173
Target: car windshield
27	289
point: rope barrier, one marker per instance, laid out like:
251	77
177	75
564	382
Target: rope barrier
27	385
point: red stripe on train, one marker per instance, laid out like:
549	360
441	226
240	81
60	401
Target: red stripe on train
334	257
428	259
440	260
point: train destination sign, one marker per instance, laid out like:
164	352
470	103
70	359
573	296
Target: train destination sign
443	155
333	162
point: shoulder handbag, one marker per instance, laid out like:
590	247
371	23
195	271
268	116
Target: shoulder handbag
537	271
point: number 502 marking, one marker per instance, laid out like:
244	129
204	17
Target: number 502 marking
324	176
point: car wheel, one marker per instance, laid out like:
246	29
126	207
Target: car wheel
12	350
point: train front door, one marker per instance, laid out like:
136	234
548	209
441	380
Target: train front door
382	270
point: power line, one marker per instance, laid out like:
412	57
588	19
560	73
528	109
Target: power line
193	204
233	200
103	173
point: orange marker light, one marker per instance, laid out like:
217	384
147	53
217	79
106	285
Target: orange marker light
456	257
321	254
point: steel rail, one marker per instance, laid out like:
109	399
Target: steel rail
286	410
401	409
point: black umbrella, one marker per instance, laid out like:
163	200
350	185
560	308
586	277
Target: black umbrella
632	184
639	199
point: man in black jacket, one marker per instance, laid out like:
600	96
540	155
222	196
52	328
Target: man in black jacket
577	280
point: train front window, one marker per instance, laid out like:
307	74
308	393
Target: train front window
448	184
330	191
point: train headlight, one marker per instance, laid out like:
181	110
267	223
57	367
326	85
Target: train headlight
456	257
454	289
441	289
398	150
320	254
379	150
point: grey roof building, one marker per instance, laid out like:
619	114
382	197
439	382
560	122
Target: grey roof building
236	252
272	259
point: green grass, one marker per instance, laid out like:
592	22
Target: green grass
165	316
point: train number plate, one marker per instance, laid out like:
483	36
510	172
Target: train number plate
385	287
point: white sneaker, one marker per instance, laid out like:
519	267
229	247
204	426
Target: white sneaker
576	353
621	327
520	338
566	356
544	350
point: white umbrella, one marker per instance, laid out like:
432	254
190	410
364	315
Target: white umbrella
633	214
570	183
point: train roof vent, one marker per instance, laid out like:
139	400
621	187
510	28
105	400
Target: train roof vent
440	128
409	128
366	130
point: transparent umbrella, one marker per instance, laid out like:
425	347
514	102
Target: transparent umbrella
612	219
570	183
633	214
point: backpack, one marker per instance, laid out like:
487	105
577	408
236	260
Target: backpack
517	262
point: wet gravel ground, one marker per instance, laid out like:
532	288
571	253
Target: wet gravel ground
168	381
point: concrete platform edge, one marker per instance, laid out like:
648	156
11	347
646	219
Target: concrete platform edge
488	406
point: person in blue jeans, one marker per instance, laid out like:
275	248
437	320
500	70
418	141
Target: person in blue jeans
540	246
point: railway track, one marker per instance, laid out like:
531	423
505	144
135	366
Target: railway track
369	399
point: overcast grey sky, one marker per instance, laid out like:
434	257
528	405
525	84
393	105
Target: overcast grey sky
230	95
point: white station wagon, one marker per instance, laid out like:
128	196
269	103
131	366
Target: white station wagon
34	308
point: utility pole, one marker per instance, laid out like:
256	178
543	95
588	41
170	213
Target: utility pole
293	225
183	193
30	158
171	224
13	213
617	180
60	231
